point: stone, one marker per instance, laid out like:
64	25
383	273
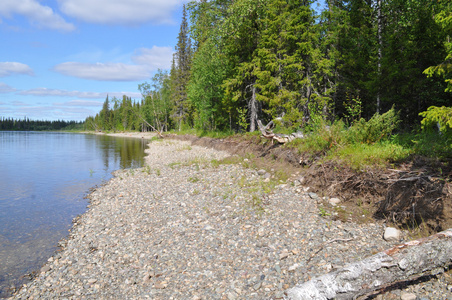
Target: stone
283	255
257	285
313	196
159	285
46	268
261	172
407	296
208	227
391	234
334	201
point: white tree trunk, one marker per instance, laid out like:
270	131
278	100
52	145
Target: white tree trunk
403	262
253	109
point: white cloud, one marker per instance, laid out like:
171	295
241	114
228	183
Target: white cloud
131	12
39	15
45	92
134	95
19	103
103	71
82	103
146	60
4	88
10	68
52	112
155	58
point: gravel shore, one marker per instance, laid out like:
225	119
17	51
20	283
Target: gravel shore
189	227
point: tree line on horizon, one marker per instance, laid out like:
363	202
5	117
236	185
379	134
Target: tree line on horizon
239	61
26	124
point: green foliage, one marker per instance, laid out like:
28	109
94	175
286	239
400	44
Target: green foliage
378	128
322	139
434	115
444	19
323	212
39	125
180	76
245	60
360	156
427	143
156	104
353	108
242	118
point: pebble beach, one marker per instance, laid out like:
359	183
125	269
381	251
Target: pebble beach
189	225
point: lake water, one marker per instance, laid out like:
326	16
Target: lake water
44	180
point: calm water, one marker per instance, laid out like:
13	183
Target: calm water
44	179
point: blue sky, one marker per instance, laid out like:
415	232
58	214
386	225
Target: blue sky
60	58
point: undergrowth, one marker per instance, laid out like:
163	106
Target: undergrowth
372	143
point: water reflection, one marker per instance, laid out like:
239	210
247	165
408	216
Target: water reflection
43	183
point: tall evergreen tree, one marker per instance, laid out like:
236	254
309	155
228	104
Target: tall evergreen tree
240	38
181	74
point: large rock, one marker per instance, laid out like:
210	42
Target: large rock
391	234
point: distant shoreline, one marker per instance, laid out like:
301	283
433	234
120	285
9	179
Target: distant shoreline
133	134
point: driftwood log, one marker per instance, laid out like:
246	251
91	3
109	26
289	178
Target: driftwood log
405	262
267	133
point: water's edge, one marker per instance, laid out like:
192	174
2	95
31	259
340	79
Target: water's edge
26	278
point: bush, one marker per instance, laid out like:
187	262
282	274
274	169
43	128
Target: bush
378	128
322	139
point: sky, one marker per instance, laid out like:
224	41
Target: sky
59	59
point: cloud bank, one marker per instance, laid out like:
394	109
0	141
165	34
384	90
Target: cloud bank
39	15
146	61
4	88
10	68
113	12
103	71
45	92
155	58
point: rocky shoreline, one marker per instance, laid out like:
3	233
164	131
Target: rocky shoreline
191	226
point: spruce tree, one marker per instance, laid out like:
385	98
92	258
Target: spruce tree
180	73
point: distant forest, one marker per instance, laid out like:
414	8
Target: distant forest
37	125
239	61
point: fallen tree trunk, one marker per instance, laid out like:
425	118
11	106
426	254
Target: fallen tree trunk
267	133
403	262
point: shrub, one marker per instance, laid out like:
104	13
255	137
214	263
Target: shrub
378	128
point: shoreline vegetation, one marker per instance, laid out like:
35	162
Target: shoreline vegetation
200	223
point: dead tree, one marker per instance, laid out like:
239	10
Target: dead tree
403	262
267	132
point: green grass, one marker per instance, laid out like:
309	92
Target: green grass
359	156
427	143
203	133
342	144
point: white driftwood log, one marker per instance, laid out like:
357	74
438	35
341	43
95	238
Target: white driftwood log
407	261
267	133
